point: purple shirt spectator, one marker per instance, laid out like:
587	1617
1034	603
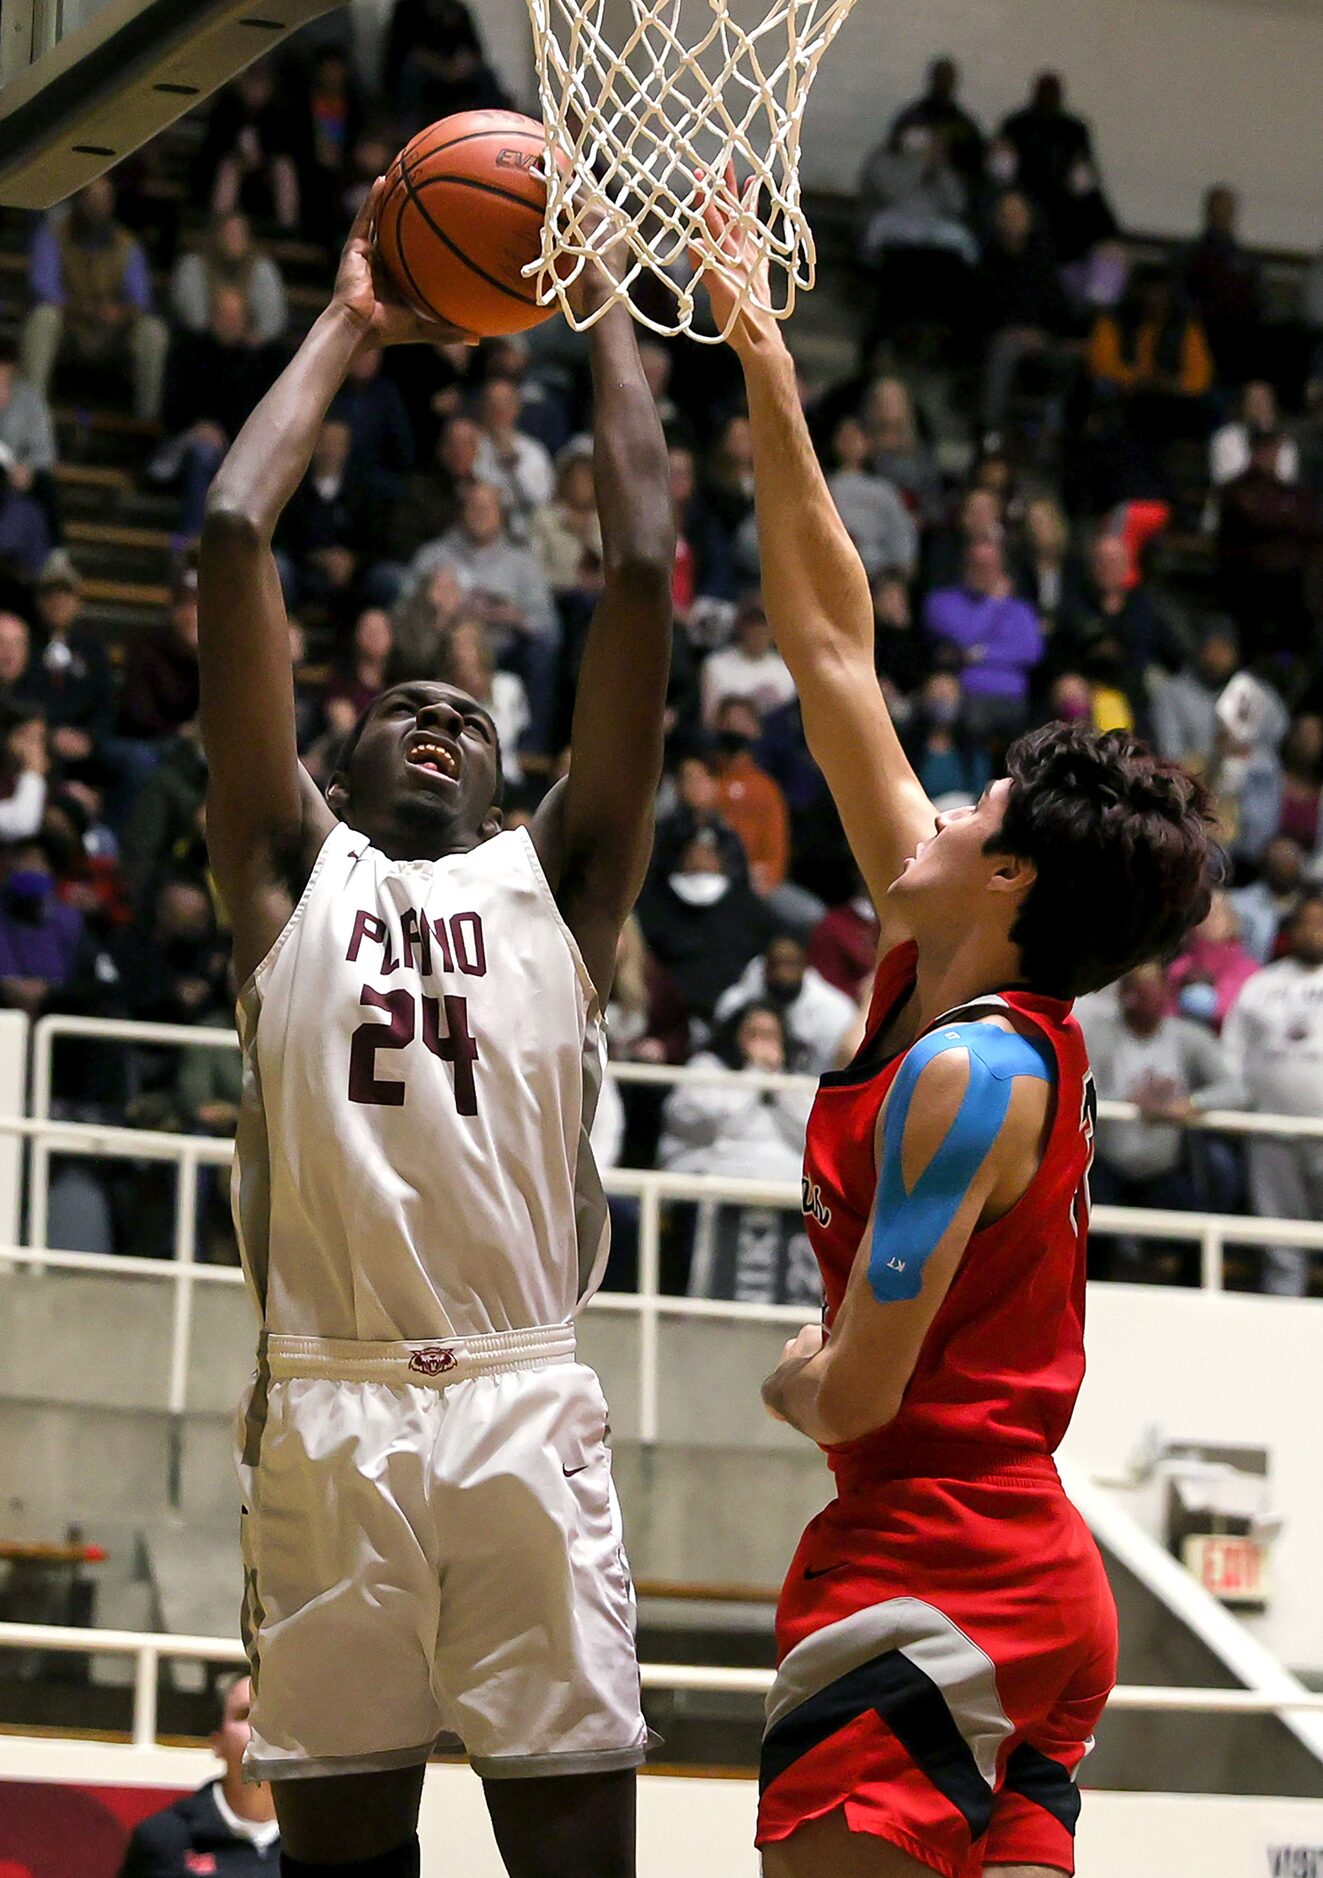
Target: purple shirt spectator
46	271
996	634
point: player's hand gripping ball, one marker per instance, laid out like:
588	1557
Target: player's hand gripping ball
461	217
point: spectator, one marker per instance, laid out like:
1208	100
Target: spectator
93	292
1222	281
1043	563
1172	1070
702	552
1274	1035
229	259
1302	781
1185	727
702	923
432	498
748	800
160	689
843	948
899	452
728	1128
72	680
163	833
1268	545
227	1827
15	659
507	588
517	465
213	380
325	535
420	622
1151	356
913	202
1113	630
1247	773
466	662
981	516
992	638
328	139
1207	974
1229	450
566	535
357	680
695	808
871	508
939	111
1050	144
27	432
435	64
41	939
643	1025
24	757
172	964
250	155
381	436
1021	308
750	667
818	1018
25	538
952	766
1270	903
902	655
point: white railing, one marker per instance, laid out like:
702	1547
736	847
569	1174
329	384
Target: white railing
149	1650
125	1030
652	1189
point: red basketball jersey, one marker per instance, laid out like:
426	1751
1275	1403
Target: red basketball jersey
1003	1360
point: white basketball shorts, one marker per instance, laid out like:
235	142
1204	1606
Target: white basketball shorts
432	1546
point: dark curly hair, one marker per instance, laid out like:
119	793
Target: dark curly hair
1124	847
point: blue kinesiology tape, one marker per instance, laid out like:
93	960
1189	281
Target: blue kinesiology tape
909	1227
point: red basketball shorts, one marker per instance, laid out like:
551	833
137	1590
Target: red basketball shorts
945	1649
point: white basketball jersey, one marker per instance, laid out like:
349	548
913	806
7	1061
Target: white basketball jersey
422	1054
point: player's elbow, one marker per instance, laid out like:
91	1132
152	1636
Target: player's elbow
643	553
231	523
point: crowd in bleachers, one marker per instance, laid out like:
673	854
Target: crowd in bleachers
1084	471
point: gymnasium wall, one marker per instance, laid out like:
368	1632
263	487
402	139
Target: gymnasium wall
1167	1365
701	1828
1180	92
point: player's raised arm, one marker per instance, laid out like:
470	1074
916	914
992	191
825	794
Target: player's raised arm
960	1140
595	833
818	601
265	818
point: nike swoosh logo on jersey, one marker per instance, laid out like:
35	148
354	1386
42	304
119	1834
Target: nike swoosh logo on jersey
570	1472
822	1570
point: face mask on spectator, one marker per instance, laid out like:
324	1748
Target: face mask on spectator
699	889
1199	1001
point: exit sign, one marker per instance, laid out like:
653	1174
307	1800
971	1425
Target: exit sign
1235	1570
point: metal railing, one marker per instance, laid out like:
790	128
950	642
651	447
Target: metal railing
150	1649
651	1189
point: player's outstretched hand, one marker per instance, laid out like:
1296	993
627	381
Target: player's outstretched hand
364	289
600	275
728	212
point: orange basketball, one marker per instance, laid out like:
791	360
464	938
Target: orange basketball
462	216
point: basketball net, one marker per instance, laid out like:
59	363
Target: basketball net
639	134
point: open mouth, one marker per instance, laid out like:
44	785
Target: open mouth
437	757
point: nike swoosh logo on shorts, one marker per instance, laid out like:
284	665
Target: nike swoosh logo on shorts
570	1472
822	1570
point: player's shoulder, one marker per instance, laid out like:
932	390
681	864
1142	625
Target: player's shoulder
971	1049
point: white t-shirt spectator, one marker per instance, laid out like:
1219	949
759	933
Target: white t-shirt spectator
731	673
731	1128
1274	1035
817	1019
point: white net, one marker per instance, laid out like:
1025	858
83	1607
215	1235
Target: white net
642	99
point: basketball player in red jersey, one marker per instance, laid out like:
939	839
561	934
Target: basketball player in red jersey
431	1538
946	1636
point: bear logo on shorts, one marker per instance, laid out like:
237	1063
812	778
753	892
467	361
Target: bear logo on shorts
432	1361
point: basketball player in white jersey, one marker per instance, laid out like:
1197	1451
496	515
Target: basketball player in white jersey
431	1538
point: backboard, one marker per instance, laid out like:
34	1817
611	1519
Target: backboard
85	82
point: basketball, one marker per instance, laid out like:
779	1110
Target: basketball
462	218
